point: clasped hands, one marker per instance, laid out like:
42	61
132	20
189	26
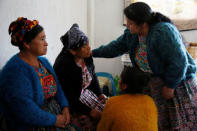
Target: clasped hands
62	120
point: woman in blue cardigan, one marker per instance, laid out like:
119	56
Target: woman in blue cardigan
31	97
155	46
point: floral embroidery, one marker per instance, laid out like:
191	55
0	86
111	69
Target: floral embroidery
47	81
141	56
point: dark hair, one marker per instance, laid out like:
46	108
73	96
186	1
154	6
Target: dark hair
135	79
140	13
29	36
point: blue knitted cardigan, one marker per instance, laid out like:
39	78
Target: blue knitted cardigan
166	54
21	94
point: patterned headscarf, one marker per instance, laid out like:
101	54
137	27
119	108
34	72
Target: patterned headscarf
19	28
74	38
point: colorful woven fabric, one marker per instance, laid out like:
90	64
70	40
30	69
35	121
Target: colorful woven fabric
179	113
19	28
47	81
90	99
86	77
141	55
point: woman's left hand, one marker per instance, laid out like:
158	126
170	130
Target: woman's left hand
167	93
102	98
66	114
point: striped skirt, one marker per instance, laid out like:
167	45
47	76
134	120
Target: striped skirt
178	113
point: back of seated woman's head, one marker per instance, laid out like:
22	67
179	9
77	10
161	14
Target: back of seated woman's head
134	79
23	30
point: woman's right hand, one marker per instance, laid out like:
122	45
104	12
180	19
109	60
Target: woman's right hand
66	114
60	121
95	114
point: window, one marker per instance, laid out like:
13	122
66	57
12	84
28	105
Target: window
182	12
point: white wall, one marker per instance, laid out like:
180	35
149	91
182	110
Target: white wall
56	16
108	26
190	36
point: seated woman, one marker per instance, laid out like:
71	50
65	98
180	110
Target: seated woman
131	111
31	97
75	70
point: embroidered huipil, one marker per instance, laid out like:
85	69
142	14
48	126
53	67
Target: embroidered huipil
141	55
86	77
47	81
88	97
